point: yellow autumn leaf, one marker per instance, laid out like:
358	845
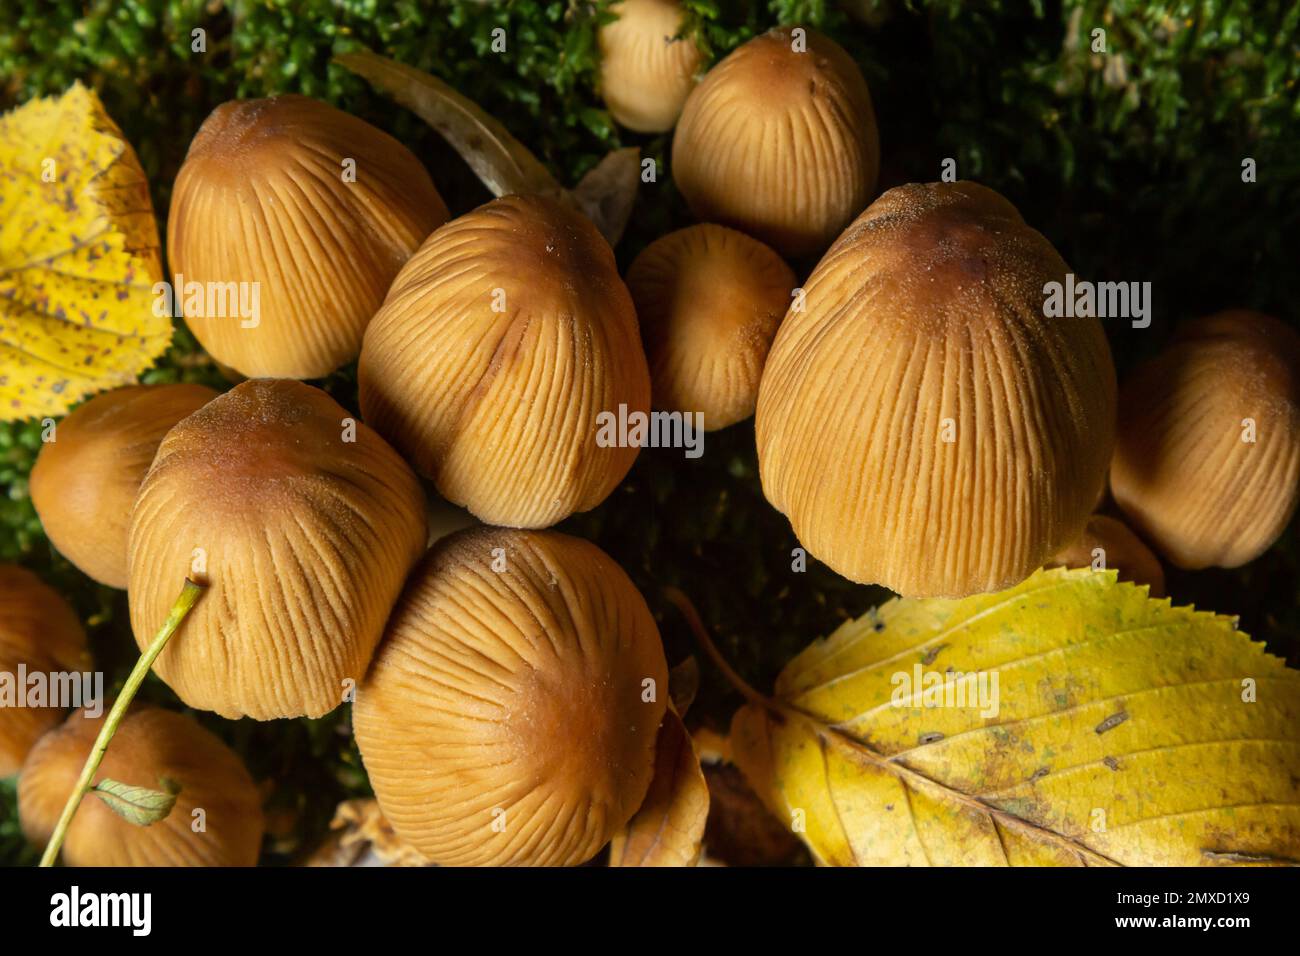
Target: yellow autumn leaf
1110	729
78	257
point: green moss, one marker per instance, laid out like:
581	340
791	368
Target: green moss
1130	163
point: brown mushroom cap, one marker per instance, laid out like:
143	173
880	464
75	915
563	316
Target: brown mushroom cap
513	697
39	630
780	144
262	197
646	72
304	536
921	422
499	345
85	480
150	745
1183	472
1120	549
709	300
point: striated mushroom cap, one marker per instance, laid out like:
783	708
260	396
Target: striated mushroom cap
646	72
40	631
265	196
504	718
778	143
304	523
1111	541
1207	459
85	480
921	423
150	745
709	300
500	343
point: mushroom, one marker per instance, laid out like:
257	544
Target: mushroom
646	69
40	633
86	478
215	821
305	211
510	714
1207	460
779	140
921	422
1109	542
500	344
709	300
304	524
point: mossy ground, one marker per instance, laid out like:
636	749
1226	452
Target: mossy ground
1130	163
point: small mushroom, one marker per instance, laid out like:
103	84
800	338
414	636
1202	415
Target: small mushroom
304	524
38	631
510	714
215	821
1207	461
500	344
646	69
312	209
1109	542
85	479
921	422
709	300
779	140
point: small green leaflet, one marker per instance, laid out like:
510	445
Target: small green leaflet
138	805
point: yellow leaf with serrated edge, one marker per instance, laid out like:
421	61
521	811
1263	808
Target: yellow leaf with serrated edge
78	257
1110	729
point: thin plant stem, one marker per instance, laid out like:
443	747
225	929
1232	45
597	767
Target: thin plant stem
188	596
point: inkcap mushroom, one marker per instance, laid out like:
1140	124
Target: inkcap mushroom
87	475
313	209
920	421
502	341
510	714
303	524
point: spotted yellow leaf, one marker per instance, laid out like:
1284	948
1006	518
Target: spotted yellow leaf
78	257
1070	720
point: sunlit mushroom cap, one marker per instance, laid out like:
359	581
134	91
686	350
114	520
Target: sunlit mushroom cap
38	631
85	480
646	69
780	144
303	522
317	207
1107	542
709	300
500	344
920	422
511	711
1207	460
217	817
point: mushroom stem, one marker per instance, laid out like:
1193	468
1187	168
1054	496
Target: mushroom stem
189	595
686	606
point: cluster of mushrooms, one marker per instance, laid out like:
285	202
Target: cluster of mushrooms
918	420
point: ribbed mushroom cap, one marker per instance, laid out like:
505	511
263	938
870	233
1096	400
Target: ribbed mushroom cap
504	719
85	480
37	629
1185	473
921	422
780	144
645	73
262	197
499	345
150	745
1121	549
304	536
709	300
